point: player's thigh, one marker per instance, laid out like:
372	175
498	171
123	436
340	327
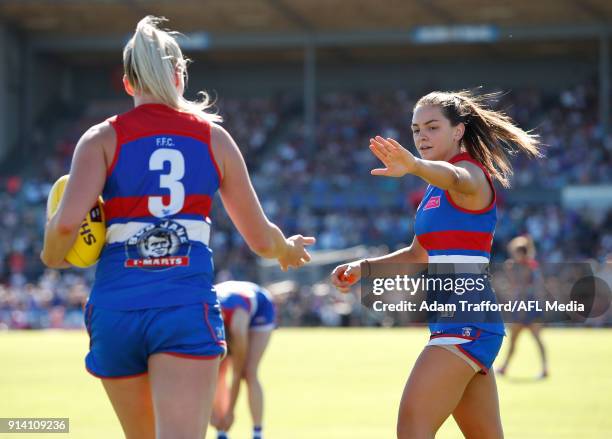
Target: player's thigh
477	414
131	400
183	390
434	388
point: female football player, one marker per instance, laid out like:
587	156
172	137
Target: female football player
249	315
463	146
524	273
156	333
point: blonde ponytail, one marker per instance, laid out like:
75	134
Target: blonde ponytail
151	60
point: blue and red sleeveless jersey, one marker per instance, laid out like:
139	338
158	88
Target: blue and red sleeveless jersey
237	294
458	241
252	298
157	200
452	234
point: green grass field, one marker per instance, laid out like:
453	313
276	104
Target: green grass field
329	384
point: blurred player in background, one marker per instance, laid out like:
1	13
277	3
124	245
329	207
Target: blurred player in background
249	316
523	271
464	146
157	333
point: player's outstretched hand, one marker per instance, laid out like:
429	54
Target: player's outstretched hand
398	160
296	254
346	275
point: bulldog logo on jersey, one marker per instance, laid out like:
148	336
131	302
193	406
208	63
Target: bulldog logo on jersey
161	245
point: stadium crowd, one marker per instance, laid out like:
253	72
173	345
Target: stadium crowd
323	190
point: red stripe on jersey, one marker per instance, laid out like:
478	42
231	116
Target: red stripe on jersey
456	239
137	207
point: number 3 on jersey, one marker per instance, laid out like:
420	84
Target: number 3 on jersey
170	181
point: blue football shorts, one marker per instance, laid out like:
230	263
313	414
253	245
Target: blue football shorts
120	342
264	318
477	347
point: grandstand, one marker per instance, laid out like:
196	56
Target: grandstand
302	85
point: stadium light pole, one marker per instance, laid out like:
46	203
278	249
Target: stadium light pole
604	83
310	123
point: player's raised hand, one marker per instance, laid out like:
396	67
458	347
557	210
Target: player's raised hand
398	160
296	254
346	275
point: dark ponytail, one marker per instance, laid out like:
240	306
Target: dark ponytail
490	136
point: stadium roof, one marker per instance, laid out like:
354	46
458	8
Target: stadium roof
115	17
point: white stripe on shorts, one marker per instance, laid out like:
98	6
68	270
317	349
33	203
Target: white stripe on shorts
455	350
263	328
447	340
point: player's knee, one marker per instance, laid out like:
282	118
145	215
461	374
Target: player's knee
412	422
492	432
180	434
179	426
413	430
480	427
414	433
215	419
488	435
251	375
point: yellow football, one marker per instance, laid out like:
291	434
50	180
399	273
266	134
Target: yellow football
92	233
